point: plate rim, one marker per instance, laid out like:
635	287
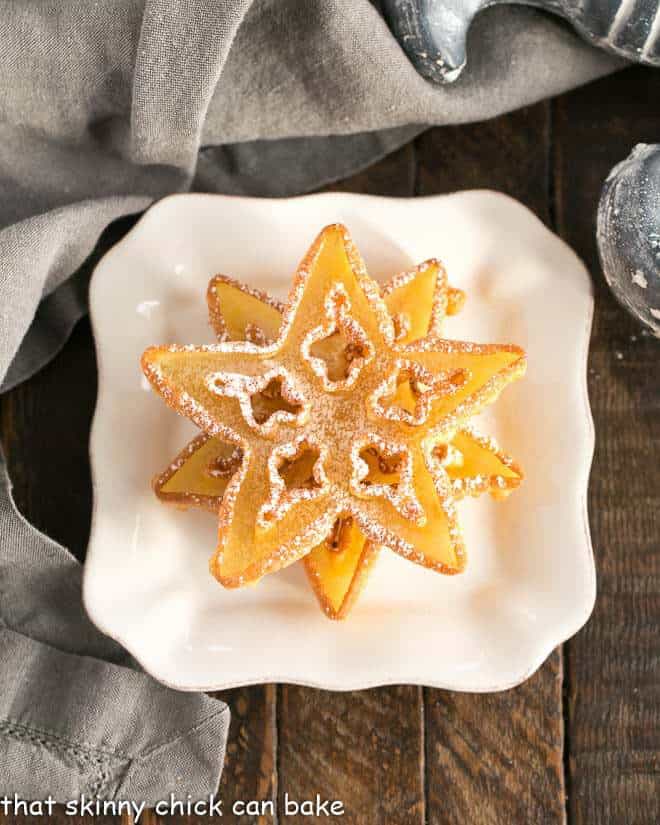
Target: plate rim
343	685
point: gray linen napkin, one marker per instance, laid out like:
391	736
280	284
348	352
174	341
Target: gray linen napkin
73	718
105	107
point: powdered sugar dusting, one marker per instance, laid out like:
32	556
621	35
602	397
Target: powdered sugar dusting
338	418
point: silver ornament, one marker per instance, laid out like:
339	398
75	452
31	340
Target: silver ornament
629	233
434	32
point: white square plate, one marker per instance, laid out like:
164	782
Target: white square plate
530	581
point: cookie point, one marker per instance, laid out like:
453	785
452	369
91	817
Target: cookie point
148	360
336	230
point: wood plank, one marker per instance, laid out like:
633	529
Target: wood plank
613	665
495	758
45	432
363	748
250	761
393	176
509	154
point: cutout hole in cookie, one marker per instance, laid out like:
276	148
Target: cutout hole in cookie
271	400
298	472
338	352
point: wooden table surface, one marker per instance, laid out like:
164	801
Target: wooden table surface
579	742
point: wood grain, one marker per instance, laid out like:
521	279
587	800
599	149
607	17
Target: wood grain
364	748
497	758
613	664
509	154
393	176
250	762
45	427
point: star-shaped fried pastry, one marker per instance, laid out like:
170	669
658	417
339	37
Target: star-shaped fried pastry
338	568
331	415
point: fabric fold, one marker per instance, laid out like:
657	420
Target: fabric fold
59	731
41	587
73	724
37	255
180	56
